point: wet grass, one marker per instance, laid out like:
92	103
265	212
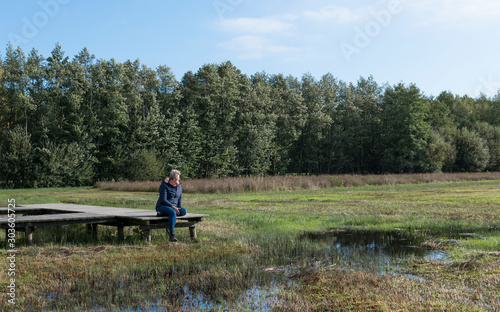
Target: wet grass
266	240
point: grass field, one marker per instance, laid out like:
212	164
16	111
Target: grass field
259	251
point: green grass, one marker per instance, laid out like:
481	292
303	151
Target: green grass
257	239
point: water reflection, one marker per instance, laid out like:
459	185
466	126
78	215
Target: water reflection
256	298
376	250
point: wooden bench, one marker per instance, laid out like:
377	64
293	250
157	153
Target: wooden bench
34	216
148	223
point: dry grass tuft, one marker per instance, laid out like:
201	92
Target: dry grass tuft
288	183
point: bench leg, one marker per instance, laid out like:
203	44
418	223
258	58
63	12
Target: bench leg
192	232
121	235
147	235
147	232
94	230
29	235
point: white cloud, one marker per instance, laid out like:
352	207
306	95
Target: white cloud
294	33
455	13
265	25
336	14
252	47
258	38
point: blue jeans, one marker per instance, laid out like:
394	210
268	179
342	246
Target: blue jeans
172	215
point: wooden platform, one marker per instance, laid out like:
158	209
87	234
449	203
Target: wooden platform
29	217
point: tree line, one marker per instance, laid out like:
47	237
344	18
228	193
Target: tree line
71	122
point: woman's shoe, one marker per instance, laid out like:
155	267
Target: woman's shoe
172	238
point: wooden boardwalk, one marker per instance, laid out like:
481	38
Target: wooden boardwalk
29	217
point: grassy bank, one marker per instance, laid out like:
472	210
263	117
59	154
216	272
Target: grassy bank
253	245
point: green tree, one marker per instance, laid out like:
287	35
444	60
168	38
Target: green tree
64	120
65	154
14	86
15	151
308	149
440	153
256	122
404	130
464	111
148	128
145	166
472	151
290	110
330	88
215	102
490	134
113	120
36	88
364	126
184	100
63	165
493	111
440	114
354	138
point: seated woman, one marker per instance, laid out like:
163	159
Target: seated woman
170	201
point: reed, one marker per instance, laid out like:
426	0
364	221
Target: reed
290	183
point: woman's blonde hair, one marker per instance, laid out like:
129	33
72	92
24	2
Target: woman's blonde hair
174	174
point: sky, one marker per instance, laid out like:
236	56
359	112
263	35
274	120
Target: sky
439	45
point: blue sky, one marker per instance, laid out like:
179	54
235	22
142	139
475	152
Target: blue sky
440	45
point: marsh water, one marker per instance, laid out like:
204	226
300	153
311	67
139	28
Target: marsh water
378	251
372	250
383	252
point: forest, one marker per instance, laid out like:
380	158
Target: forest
74	121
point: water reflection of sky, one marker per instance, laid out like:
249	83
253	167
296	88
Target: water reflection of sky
370	250
256	298
381	252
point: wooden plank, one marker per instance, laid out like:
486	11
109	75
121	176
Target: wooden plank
23	210
189	216
165	225
56	217
58	223
92	209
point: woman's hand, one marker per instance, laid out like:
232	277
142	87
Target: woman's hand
177	210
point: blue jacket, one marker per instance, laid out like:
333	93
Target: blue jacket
169	195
